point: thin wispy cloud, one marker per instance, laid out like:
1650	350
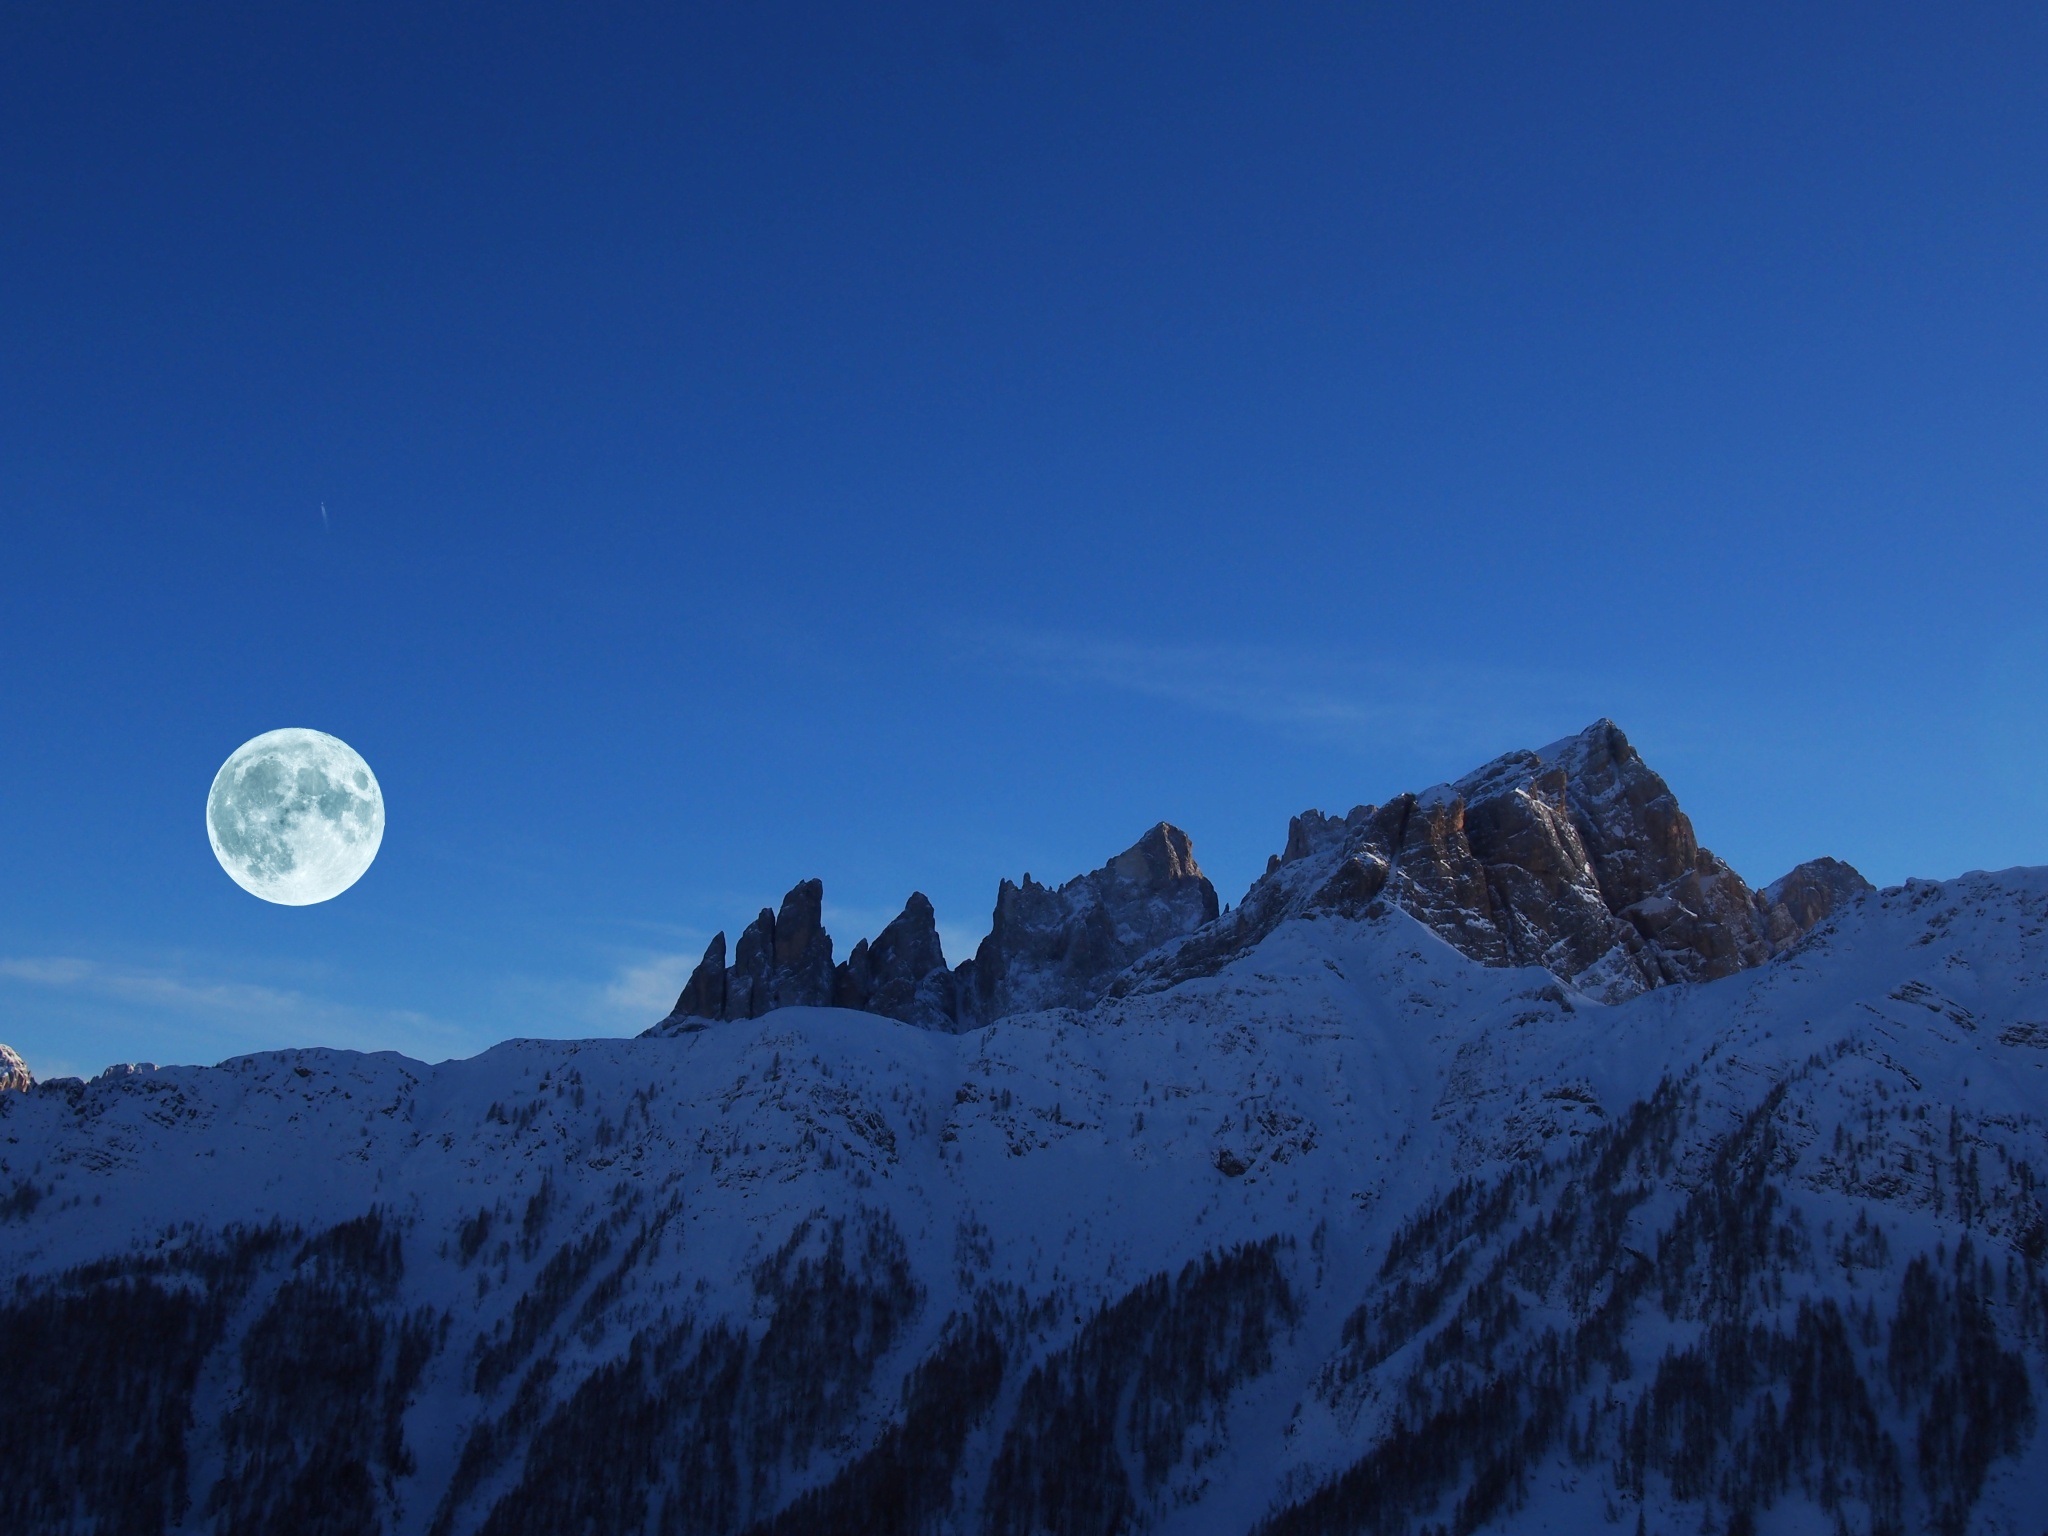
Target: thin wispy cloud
645	990
1347	700
626	991
236	1012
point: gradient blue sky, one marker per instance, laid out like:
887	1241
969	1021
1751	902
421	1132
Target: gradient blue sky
911	446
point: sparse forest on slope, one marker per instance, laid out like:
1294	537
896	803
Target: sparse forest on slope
1501	1163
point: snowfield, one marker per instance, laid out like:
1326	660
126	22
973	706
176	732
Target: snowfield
1355	1235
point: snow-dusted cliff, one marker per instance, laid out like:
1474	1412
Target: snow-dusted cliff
1348	1227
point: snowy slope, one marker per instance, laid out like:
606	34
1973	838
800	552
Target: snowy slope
1356	1234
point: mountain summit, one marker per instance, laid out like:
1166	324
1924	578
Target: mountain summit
1575	857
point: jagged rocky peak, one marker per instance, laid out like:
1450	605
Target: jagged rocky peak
1046	948
902	972
1575	857
703	995
1062	948
783	960
800	973
14	1072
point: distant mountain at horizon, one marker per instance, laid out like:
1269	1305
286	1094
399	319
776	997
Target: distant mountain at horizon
1502	1162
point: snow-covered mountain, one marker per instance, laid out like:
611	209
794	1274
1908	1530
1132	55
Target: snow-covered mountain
1501	1162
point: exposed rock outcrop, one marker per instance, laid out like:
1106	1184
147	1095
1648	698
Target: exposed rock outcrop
782	960
1809	895
1576	858
902	973
1047	948
801	975
1062	948
14	1072
746	983
704	993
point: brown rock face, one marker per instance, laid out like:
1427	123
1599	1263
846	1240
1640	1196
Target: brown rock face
1547	903
1576	858
1636	837
1698	915
14	1073
1796	903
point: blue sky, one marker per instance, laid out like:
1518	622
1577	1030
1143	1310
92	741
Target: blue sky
912	446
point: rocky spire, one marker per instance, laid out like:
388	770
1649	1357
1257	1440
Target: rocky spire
902	974
746	983
782	960
801	976
910	980
704	993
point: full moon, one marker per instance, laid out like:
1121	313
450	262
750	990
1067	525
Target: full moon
295	816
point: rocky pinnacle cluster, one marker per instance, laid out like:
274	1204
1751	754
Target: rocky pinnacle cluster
1576	858
1047	948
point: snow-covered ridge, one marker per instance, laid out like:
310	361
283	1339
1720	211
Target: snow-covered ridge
1350	1195
1326	1217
